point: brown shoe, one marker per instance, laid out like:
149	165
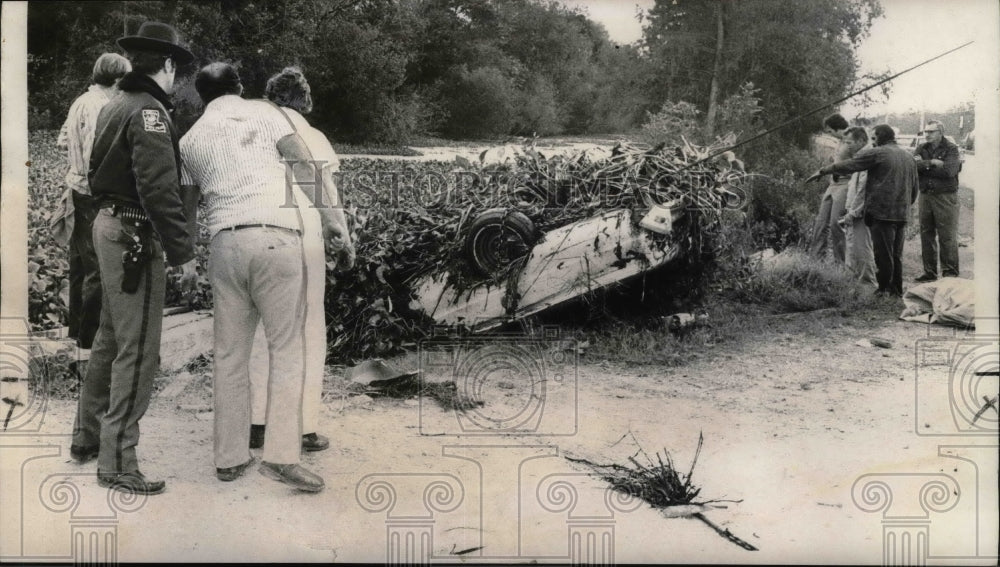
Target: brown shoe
313	442
133	482
294	475
232	473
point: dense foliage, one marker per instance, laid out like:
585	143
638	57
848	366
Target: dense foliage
798	54
381	70
385	71
48	263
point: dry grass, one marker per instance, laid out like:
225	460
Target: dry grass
794	281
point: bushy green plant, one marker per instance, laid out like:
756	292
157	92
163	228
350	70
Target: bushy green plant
480	102
739	114
405	117
48	262
674	123
538	112
795	281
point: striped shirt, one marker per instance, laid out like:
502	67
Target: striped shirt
77	134
231	153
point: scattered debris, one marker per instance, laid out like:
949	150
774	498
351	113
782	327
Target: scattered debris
678	321
881	343
377	376
446	394
374	378
464	551
203	362
662	486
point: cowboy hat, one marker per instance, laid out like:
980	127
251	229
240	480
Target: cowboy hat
157	37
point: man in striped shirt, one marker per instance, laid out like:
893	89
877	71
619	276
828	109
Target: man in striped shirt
235	155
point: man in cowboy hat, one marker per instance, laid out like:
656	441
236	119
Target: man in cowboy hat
135	179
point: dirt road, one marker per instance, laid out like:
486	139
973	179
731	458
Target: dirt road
790	426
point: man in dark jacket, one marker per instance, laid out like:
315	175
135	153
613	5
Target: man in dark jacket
938	164
135	179
892	189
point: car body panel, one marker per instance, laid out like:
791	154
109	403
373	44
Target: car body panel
566	263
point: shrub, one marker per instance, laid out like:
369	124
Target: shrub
674	123
403	118
538	111
738	114
48	263
795	281
480	103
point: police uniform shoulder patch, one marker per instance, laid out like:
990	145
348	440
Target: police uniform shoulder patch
152	123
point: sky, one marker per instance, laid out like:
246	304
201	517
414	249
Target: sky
910	32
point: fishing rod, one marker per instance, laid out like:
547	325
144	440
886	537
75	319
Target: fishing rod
819	108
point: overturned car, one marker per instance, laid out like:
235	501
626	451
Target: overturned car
560	228
560	265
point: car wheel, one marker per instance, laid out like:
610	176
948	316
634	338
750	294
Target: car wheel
498	237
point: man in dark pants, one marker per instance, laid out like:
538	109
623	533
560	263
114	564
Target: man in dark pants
75	226
135	178
892	189
938	165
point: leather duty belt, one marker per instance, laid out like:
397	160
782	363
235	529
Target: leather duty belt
126	213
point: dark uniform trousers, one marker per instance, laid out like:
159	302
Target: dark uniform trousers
888	238
84	275
939	224
126	351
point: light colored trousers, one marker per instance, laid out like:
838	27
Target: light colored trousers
827	235
257	274
315	332
860	257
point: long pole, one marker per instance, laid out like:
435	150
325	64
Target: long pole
822	107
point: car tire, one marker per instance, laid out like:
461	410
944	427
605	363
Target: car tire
497	237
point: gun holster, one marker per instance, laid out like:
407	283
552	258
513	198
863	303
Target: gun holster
134	259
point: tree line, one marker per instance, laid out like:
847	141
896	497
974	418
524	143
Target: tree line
386	71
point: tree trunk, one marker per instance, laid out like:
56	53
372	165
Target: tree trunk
713	94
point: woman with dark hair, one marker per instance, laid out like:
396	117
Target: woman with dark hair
290	92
